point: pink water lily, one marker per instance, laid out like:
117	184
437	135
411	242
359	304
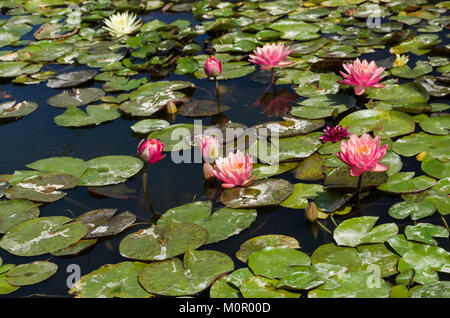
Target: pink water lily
210	148
363	154
208	171
150	151
334	134
234	170
271	55
361	75
213	67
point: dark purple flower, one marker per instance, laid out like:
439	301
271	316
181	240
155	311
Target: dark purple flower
334	134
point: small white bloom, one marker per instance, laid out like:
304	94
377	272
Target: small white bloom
120	24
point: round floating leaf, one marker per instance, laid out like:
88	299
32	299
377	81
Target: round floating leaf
71	79
261	287
75	248
436	168
294	30
386	124
13	69
63	165
95	115
408	92
404	182
432	86
424	232
437	125
175	278
323	106
290	127
432	290
276	262
406	72
76	97
341	179
262	171
42	235
393	161
13	110
111	280
146	126
201	108
360	230
148	105
299	197
436	146
160	244
14	212
261	193
174	136
32	273
104	222
311	169
300	280
5	287
222	289
220	225
260	242
8	37
42	188
110	170
417	210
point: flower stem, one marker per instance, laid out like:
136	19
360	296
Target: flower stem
358	189
445	223
332	219
324	227
217	94
144	189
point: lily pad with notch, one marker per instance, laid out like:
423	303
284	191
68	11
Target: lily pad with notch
76	97
71	79
341	179
32	273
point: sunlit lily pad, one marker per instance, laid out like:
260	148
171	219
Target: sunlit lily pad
323	106
290	127
201	108
15	110
116	280
432	290
146	126
71	79
32	273
259	243
437	125
436	168
416	210
262	171
63	165
302	192
262	287
14	212
8	37
105	222
404	182
154	243
424	232
110	170
75	248
173	136
406	72
220	224
42	235
76	97
360	230
261	193
176	278
13	69
94	115
341	179
5	287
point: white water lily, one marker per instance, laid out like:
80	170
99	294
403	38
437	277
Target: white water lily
120	24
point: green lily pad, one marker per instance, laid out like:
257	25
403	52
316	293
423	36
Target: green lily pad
42	188
105	222
76	97
438	125
262	287
416	210
295	30
5	287
71	79
436	168
341	179
15	110
95	115
261	193
360	230
111	280
386	124
435	146
299	197
404	182
42	235
262	171
174	136
418	45
290	127
323	106
62	165
312	84
432	290
146	126
13	69
201	108
312	168
197	272
8	37
75	248
32	273
259	243
154	243
276	262
110	170
14	212
220	224
424	232
123	84
406	72
432	86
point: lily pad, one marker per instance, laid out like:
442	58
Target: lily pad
262	171
146	126
424	232
435	146
174	136
76	97
404	182
71	79
436	168
416	210
437	125
111	280
262	287
406	72
32	273
75	248
42	235
360	230
290	127
261	193
16	110
220	224
14	212
299	197
198	270
110	170
95	115
323	106
341	179
432	290
154	243
201	108
63	165
261	242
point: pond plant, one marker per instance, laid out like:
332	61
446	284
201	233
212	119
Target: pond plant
343	192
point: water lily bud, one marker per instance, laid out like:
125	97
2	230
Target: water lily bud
150	151
213	67
171	108
421	156
311	212
208	171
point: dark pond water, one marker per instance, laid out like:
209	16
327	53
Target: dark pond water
36	137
